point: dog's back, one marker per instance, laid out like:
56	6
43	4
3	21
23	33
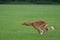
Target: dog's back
38	23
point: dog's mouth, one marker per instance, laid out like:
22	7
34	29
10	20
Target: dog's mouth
23	23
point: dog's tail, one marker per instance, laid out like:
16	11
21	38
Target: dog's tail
52	28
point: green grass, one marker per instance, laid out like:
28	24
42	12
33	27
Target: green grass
12	16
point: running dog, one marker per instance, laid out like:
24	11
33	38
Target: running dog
40	26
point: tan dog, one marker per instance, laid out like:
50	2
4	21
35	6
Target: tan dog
40	26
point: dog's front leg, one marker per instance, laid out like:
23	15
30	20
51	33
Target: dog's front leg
40	31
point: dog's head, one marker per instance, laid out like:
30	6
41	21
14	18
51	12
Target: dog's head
27	24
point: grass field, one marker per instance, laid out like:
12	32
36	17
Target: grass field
12	16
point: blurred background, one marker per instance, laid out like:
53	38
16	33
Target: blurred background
12	16
29	1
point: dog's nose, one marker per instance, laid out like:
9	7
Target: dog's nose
23	23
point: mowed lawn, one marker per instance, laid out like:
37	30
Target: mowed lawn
12	17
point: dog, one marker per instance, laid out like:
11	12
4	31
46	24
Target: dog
40	26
